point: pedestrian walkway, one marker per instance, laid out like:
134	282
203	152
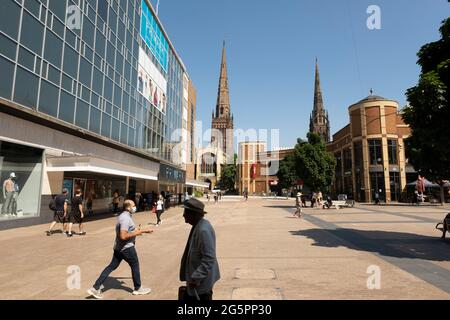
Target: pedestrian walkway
263	253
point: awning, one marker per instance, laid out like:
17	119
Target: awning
96	165
194	183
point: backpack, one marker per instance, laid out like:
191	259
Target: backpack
52	205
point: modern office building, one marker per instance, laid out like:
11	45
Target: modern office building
92	95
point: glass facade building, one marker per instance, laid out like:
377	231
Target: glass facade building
88	76
102	71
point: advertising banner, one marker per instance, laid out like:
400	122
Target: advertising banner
151	83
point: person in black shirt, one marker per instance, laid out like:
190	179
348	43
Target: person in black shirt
76	214
60	214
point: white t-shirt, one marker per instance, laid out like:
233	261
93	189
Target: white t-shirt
159	205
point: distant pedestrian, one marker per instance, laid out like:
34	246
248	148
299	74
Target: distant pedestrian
124	249
245	195
298	199
116	201
61	208
159	209
303	197
208	196
199	266
377	198
76	213
216	198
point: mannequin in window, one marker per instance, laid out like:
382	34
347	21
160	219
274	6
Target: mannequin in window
10	192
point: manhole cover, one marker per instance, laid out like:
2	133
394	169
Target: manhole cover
255	274
256	294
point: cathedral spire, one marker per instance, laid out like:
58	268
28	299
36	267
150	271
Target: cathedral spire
223	95
318	101
319	121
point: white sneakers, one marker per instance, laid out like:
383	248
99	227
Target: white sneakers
142	291
97	294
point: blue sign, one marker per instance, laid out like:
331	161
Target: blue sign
153	36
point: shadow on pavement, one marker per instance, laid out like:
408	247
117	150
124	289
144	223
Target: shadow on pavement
116	283
385	243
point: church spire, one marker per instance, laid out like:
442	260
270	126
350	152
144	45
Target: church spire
223	95
318	101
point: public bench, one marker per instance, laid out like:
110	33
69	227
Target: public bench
444	226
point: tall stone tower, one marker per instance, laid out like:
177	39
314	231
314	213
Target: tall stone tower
318	122
222	119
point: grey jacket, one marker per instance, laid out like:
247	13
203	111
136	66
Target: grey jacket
199	262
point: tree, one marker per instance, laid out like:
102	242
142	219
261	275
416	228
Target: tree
287	175
310	162
313	163
428	113
228	177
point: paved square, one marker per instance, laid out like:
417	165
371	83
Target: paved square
263	252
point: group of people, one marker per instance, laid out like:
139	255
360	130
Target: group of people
198	268
216	195
62	214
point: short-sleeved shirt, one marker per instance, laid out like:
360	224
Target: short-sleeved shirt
76	201
60	200
125	223
159	205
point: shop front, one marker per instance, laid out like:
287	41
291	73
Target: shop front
172	183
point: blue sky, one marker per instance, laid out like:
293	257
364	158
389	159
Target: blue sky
272	46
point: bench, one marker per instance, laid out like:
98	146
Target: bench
444	226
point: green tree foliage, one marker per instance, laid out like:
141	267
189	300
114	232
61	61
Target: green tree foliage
228	177
309	162
428	113
287	175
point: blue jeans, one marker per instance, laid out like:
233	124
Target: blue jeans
130	256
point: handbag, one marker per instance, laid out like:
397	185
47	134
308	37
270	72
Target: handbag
182	293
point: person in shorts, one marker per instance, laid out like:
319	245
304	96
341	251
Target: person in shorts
61	203
76	214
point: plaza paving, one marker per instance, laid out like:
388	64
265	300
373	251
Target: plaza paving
263	253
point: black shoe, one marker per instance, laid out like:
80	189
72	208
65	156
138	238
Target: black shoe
69	234
82	233
48	233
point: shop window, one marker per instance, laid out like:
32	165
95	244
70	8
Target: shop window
20	177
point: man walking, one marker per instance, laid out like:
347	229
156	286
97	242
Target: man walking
124	249
199	267
61	204
298	205
76	213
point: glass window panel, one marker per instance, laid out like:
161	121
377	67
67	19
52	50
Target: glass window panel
32	33
32	6
48	99
97	82
108	89
115	129
9	18
103	9
58	28
6	81
124	134
53	49
26	58
85	72
94	100
58	7
88	32
26	88
66	107
70	62
67	83
82	114
8	47
70	37
54	75
106	125
94	120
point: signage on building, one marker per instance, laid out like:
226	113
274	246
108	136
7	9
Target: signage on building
151	82
153	37
171	174
253	171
